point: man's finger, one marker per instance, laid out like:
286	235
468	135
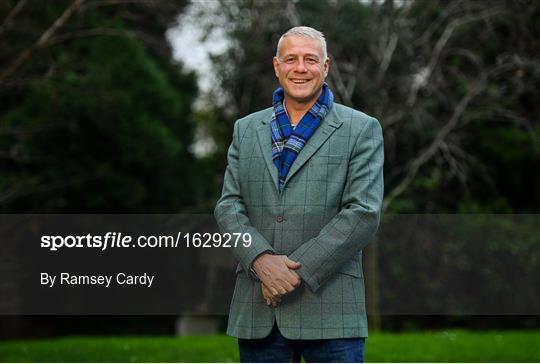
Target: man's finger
281	290
291	264
293	278
273	291
267	294
289	286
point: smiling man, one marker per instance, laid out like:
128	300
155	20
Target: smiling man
304	179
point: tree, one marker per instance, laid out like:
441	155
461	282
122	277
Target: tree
441	78
95	114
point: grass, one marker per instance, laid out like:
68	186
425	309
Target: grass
432	346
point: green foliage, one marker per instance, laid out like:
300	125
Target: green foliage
106	130
455	264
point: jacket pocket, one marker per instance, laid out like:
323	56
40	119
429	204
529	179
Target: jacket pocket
352	268
329	159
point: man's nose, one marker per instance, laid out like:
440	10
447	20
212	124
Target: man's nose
300	66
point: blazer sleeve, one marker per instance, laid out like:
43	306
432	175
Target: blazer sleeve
356	223
231	213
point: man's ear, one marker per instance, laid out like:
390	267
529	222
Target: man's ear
276	66
326	66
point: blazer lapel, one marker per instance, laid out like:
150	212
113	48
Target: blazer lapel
265	142
323	132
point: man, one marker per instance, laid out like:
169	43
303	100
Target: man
304	179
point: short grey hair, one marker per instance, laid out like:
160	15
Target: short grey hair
305	32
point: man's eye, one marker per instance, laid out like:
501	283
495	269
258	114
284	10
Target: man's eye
289	60
311	60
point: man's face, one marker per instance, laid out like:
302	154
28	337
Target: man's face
301	69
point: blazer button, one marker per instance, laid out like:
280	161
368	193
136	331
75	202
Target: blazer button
280	219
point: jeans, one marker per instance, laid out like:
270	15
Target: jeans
277	349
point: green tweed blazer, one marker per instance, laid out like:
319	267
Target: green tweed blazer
327	212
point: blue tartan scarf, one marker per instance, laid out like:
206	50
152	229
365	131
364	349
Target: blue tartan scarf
288	142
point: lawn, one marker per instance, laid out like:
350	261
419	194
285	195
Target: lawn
432	346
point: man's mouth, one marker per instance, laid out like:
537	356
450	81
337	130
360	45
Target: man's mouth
299	81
